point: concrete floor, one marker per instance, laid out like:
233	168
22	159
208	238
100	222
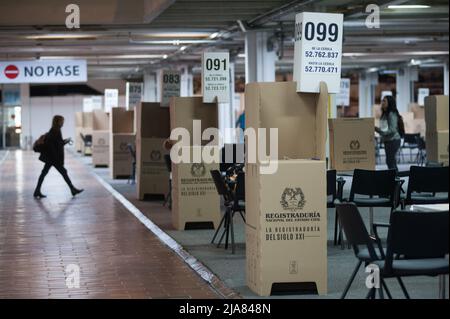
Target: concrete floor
231	268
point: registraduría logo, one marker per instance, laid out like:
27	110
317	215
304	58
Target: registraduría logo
355	145
155	155
293	199
198	170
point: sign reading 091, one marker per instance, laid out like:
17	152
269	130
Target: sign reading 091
216	77
318	51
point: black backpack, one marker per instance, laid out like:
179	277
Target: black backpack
39	144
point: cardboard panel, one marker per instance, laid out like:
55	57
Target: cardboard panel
78	119
100	148
437	146
352	143
100	120
194	195
121	120
286	231
88	120
183	110
120	157
436	112
152	120
152	173
300	117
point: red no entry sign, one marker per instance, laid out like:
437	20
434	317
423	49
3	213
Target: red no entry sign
11	71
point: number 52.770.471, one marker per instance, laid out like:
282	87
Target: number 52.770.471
321	69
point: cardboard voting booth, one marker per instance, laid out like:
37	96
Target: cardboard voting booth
88	122
195	202
437	125
100	138
121	134
286	216
152	129
352	143
78	130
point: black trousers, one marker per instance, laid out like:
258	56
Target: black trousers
60	168
391	149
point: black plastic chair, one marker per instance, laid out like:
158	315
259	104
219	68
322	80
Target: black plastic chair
235	154
410	141
335	193
422	151
87	140
132	152
424	183
367	249
422	241
382	188
168	162
233	203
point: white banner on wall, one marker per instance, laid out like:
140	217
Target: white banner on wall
421	95
111	99
47	71
343	97
318	51
216	77
170	86
133	94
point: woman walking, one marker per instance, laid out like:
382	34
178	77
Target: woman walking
53	155
391	130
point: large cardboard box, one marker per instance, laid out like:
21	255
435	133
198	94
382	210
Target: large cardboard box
152	129
286	216
100	138
121	134
436	113
352	143
417	110
78	130
437	146
194	196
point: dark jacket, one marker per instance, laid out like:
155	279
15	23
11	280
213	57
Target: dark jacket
53	152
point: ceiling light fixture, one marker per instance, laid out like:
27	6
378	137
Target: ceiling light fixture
408	6
214	35
183	48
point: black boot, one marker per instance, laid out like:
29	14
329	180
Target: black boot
37	194
75	191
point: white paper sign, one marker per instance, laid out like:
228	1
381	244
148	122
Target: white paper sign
96	102
318	51
216	77
343	97
111	99
48	71
133	94
422	94
170	86
87	104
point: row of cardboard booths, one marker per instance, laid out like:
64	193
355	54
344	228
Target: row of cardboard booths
286	214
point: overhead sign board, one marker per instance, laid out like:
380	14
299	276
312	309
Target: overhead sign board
343	97
133	94
111	99
216	77
170	86
318	51
38	71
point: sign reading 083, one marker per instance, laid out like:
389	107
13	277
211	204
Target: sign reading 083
318	51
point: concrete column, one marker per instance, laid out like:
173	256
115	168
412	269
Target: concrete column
151	86
187	82
366	91
446	78
405	95
26	140
259	60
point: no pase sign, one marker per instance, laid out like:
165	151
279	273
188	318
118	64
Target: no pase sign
57	71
